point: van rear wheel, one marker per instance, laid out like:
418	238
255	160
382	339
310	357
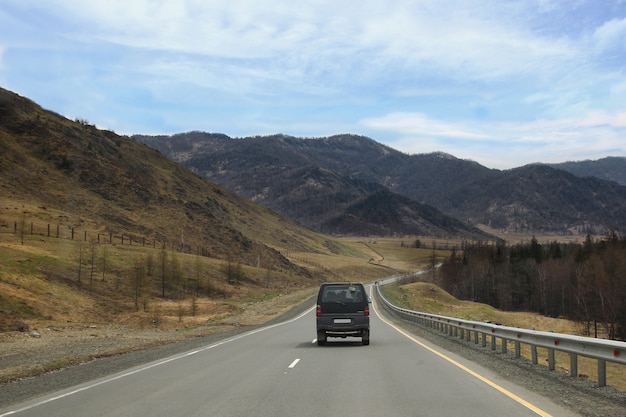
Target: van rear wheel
321	338
365	339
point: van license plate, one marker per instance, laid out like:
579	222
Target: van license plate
343	321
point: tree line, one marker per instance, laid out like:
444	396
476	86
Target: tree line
584	282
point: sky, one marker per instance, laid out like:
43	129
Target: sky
500	82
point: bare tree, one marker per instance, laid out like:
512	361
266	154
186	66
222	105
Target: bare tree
163	262
80	260
268	278
22	227
104	261
233	271
92	251
139	281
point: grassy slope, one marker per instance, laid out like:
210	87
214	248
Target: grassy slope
50	280
67	175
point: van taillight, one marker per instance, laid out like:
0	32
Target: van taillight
318	312
367	311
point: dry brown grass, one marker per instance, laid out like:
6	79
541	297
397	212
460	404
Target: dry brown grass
39	277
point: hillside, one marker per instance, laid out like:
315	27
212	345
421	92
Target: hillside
118	184
281	172
97	227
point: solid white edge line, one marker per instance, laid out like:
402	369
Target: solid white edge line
154	365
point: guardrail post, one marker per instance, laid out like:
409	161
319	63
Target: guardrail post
533	351
573	364
493	341
475	337
601	372
484	335
504	345
551	362
518	349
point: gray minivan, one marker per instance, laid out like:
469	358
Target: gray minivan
342	310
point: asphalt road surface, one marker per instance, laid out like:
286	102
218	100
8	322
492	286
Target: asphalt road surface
280	371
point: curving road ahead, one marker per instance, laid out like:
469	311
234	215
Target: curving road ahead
280	371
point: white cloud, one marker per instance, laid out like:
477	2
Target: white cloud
603	118
611	35
420	124
508	144
456	37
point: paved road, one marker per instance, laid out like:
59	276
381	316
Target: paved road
280	371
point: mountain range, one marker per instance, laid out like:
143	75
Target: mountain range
349	184
339	185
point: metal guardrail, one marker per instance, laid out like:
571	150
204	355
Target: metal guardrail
600	349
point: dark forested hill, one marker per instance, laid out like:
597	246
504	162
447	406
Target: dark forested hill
314	181
318	182
541	198
612	168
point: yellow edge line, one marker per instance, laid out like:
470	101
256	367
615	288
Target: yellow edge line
487	381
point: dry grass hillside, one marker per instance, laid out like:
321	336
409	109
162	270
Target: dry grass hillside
96	227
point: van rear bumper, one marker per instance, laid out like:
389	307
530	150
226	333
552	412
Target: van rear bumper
335	325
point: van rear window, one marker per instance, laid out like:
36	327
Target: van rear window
343	294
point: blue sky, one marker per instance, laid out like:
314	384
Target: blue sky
503	83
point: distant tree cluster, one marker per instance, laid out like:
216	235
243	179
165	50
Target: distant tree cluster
582	282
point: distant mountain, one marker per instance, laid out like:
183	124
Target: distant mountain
612	168
325	183
314	181
321	182
542	198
